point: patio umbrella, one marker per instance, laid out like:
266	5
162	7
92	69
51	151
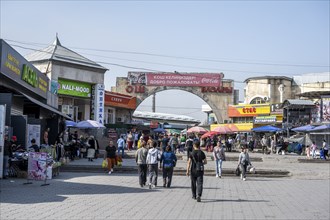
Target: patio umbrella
159	130
89	124
267	128
197	129
209	134
70	124
223	130
303	128
321	127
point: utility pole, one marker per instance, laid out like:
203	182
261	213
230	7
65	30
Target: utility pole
154	102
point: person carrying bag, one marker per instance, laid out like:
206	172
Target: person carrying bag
195	168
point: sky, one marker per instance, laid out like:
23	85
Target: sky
241	39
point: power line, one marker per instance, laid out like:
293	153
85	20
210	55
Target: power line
138	68
224	60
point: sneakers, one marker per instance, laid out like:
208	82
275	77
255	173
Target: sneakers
109	172
198	199
244	179
194	197
217	176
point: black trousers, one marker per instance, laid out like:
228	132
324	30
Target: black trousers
142	170
197	184
153	173
167	176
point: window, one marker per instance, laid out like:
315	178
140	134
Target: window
257	100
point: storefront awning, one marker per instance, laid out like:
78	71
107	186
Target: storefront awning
46	107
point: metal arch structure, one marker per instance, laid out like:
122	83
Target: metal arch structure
217	97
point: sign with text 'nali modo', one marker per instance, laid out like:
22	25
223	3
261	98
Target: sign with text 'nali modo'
74	88
176	79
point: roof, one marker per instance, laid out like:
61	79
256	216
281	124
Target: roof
163	116
268	77
298	102
56	52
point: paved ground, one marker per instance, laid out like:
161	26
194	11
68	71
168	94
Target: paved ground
302	195
118	196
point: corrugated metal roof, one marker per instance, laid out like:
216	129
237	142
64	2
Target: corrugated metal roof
163	116
59	53
299	102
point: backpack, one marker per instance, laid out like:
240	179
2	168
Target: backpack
199	165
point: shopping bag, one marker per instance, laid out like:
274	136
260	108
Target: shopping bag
237	171
104	164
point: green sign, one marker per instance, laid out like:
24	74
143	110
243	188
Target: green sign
74	88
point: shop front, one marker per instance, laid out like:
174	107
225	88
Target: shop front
28	105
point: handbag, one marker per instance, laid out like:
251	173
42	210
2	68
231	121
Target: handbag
237	171
104	164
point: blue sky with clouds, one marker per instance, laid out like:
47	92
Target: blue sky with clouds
239	38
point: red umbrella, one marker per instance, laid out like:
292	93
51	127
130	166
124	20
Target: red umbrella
209	134
197	129
223	130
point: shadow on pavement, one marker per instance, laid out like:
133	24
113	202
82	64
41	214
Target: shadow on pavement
231	200
58	191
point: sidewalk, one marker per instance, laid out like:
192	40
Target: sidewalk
266	166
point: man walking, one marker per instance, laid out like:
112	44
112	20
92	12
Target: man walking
195	168
152	160
168	159
141	161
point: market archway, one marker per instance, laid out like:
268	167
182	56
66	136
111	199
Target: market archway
210	87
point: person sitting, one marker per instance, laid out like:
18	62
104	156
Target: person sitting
34	146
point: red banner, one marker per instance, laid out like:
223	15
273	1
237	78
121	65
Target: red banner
184	79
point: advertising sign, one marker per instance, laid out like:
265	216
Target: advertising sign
184	79
326	109
176	79
17	68
247	110
34	133
264	119
37	166
99	103
74	88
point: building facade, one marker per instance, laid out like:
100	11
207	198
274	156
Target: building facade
77	81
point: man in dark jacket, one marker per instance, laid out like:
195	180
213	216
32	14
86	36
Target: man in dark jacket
195	168
168	159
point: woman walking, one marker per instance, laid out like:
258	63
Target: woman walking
168	159
243	162
219	156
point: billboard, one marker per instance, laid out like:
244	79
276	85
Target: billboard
176	79
326	109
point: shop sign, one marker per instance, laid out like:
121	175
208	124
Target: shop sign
247	110
264	119
17	68
97	103
74	88
119	100
135	89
